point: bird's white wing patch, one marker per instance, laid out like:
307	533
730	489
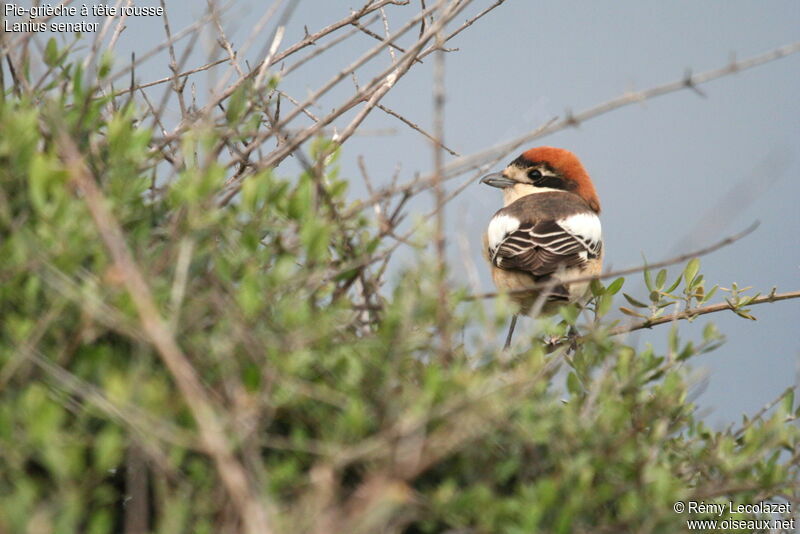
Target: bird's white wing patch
585	227
499	227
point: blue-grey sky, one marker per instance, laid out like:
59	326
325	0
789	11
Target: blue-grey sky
675	173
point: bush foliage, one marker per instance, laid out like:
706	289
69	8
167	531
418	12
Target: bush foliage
334	391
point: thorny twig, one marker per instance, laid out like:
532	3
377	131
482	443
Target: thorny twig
477	160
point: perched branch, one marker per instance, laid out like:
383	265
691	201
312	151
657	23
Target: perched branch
695	312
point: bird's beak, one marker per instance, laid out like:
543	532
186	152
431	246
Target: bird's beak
498	180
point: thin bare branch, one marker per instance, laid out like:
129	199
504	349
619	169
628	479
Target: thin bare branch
171	78
416	127
373	91
463	27
461	165
318	50
443	306
404	64
309	40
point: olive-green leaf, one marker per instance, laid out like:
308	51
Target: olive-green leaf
615	286
634	302
51	52
691	270
628	311
661	278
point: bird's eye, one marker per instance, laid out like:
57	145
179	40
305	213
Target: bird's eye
534	174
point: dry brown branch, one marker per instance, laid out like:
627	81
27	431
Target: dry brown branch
296	103
212	432
381	87
222	39
478	160
170	78
89	60
463	27
192	29
273	56
688	81
443	302
416	127
381	78
177	84
367	31
318	50
120	28
137	518
372	92
309	40
695	312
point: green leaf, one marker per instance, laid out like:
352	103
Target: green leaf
51	52
691	271
251	377
236	104
687	352
710	293
710	332
648	281
747	300
699	293
106	62
632	313
673	339
675	284
573	384
788	401
597	288
569	313
635	303
109	448
661	279
315	238
604	304
615	286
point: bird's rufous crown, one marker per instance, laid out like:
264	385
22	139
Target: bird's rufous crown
568	164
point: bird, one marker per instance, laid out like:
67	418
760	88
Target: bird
547	232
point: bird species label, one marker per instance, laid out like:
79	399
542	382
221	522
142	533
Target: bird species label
30	24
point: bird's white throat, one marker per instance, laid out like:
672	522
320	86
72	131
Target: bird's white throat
511	194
